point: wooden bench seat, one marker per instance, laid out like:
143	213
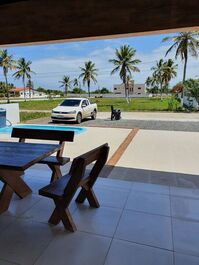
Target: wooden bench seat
53	162
59	161
56	188
63	190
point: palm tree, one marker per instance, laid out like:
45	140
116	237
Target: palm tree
185	43
89	73
23	72
29	86
170	71
162	74
66	84
125	64
76	83
7	63
159	74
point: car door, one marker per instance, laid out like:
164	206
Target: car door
85	109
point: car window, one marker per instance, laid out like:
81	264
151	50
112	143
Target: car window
71	102
84	103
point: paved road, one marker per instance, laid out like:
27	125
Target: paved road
190	126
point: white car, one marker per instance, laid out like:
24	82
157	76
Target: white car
74	108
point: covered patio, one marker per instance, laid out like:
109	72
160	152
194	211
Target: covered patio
149	200
148	214
137	223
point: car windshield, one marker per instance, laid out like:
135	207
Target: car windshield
71	102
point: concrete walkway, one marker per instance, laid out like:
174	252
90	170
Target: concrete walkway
163	116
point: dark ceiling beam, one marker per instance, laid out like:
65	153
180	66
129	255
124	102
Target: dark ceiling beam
30	21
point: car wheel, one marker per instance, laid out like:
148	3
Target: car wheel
79	118
94	115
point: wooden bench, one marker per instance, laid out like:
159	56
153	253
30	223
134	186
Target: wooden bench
54	162
63	190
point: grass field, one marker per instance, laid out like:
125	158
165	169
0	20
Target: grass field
26	116
136	104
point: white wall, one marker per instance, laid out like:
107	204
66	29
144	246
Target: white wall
12	112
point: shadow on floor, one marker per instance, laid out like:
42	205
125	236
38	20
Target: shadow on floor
152	176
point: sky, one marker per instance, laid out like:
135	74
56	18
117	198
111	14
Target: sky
51	62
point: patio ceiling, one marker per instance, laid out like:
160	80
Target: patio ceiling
30	21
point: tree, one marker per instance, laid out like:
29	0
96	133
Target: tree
7	63
152	85
76	83
170	71
29	86
158	74
192	88
125	63
66	83
104	91
89	73
77	90
23	72
185	43
162	74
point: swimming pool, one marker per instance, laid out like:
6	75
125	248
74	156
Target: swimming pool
8	129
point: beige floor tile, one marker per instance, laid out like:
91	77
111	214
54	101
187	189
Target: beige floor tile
126	253
151	230
75	249
24	241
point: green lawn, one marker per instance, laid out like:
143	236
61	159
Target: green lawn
39	104
136	104
26	116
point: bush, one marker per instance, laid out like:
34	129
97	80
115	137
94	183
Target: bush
173	104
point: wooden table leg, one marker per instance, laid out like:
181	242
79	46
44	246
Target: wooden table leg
5	198
12	183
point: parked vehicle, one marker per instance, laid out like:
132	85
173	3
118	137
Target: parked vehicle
74	108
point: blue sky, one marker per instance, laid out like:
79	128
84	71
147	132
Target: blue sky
51	61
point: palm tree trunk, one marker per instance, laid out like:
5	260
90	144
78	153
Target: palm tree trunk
7	90
126	93
24	88
89	94
161	90
185	69
184	78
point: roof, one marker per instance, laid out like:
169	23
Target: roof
177	90
18	89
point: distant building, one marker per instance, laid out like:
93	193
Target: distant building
29	93
135	90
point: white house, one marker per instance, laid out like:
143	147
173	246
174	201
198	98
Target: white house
29	93
135	90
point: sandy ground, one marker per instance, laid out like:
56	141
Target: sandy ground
164	151
160	151
88	140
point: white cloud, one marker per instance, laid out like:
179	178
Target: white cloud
51	70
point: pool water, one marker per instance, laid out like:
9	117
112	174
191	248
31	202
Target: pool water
8	129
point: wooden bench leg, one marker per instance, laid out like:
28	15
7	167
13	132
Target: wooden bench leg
88	193
60	213
56	172
5	197
54	218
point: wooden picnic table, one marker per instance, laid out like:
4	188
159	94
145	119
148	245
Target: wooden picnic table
15	158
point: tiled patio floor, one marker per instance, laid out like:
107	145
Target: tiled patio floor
137	223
